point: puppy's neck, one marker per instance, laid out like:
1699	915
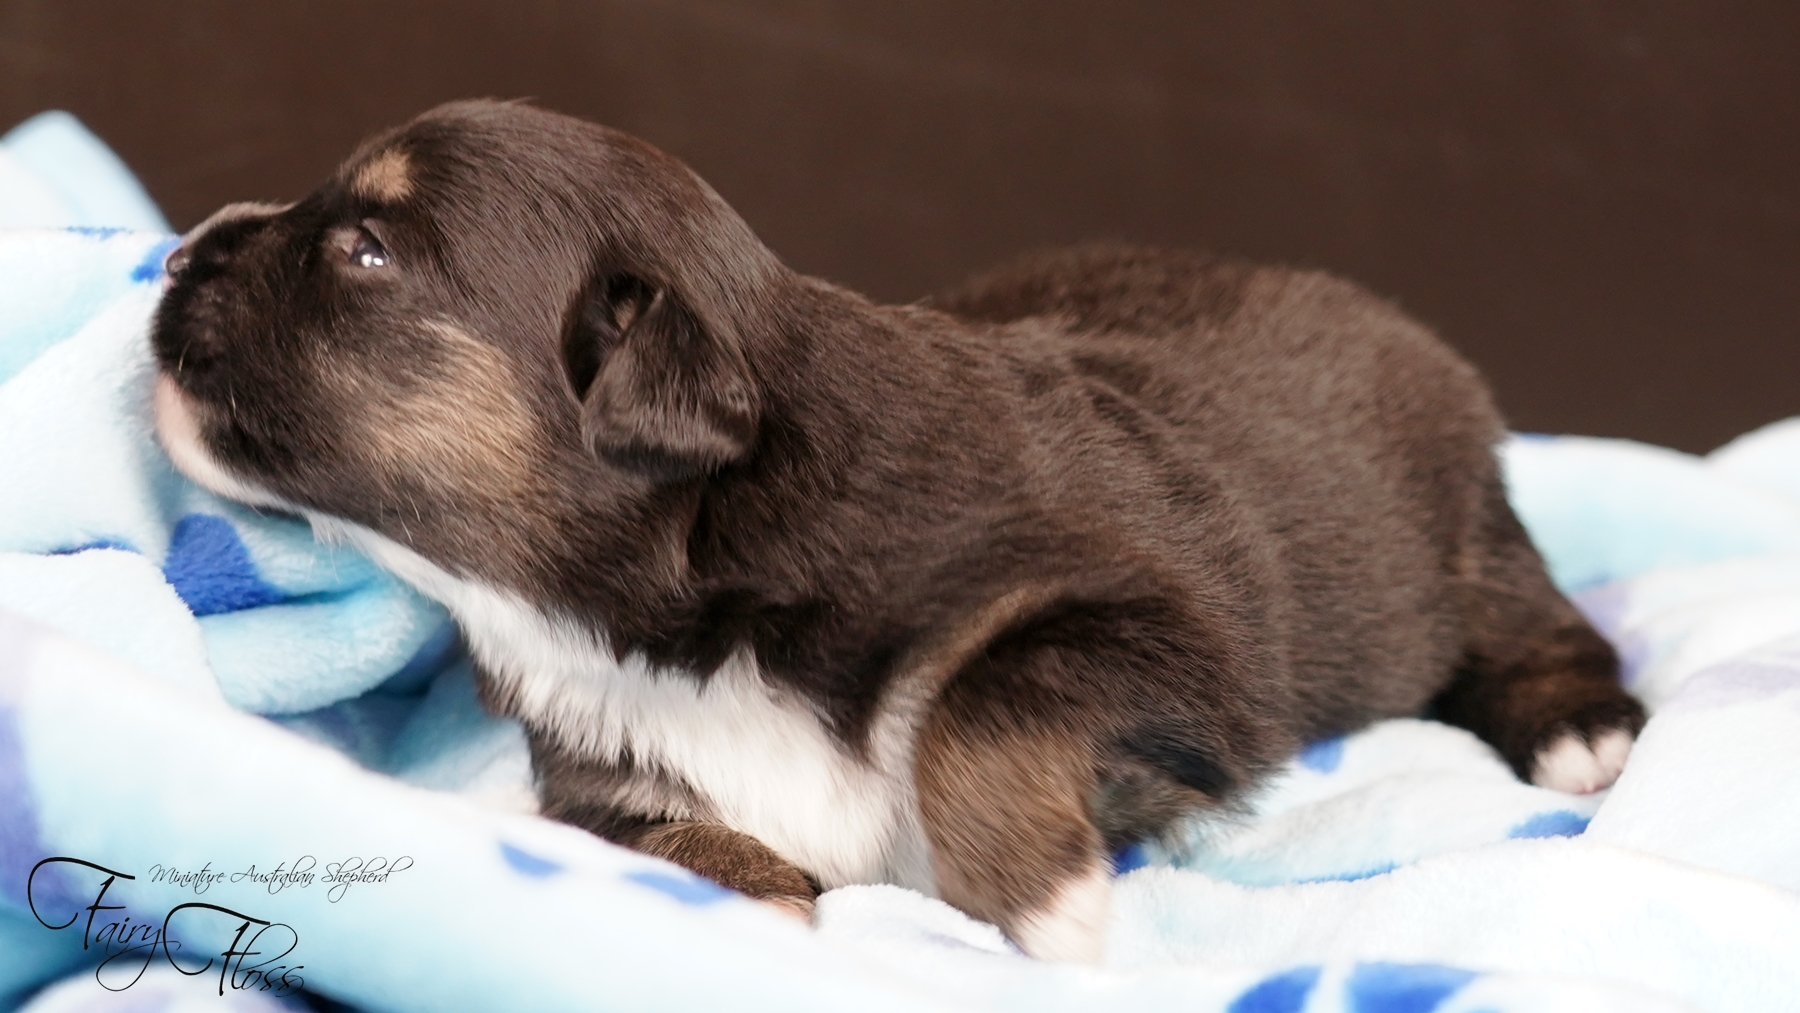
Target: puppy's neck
511	635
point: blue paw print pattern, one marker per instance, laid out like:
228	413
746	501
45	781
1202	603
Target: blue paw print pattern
95	231
151	267
527	864
1323	756
1555	823
1402	988
1351	877
1128	858
686	889
211	570
98	543
1281	993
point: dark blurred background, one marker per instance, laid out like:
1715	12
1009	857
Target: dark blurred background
1597	202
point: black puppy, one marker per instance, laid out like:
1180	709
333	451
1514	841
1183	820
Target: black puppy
799	590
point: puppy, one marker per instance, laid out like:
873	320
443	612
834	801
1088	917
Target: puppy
799	590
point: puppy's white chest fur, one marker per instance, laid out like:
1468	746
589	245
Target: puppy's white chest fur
761	757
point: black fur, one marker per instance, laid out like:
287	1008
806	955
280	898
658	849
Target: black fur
1258	506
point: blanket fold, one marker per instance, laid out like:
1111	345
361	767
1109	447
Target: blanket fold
200	702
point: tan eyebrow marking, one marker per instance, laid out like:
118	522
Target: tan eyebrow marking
386	177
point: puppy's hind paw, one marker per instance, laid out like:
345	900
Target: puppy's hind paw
1574	764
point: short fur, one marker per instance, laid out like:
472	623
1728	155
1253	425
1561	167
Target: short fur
798	589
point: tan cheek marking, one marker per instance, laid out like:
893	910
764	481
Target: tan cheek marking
459	427
386	177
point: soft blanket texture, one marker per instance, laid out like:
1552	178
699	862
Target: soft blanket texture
53	172
188	687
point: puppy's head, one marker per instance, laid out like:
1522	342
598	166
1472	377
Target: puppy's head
492	323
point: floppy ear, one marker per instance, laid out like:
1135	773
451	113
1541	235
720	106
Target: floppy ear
659	393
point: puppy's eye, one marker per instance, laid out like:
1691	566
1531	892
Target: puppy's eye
367	251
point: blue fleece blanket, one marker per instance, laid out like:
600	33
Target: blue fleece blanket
235	765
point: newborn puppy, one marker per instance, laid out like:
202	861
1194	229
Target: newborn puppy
800	590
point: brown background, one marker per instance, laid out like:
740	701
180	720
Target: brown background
1597	202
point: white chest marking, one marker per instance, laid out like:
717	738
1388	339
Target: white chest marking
760	756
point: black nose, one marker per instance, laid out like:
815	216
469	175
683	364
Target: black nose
177	261
174	264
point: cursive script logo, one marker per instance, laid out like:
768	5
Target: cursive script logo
126	945
342	875
299	874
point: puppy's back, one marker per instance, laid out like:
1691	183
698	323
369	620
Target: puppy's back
1353	447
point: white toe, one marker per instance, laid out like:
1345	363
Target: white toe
1072	926
1611	749
1570	764
793	907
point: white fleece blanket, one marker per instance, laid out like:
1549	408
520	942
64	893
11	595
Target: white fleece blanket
1400	870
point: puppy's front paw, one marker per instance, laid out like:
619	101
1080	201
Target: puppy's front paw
1575	763
794	907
